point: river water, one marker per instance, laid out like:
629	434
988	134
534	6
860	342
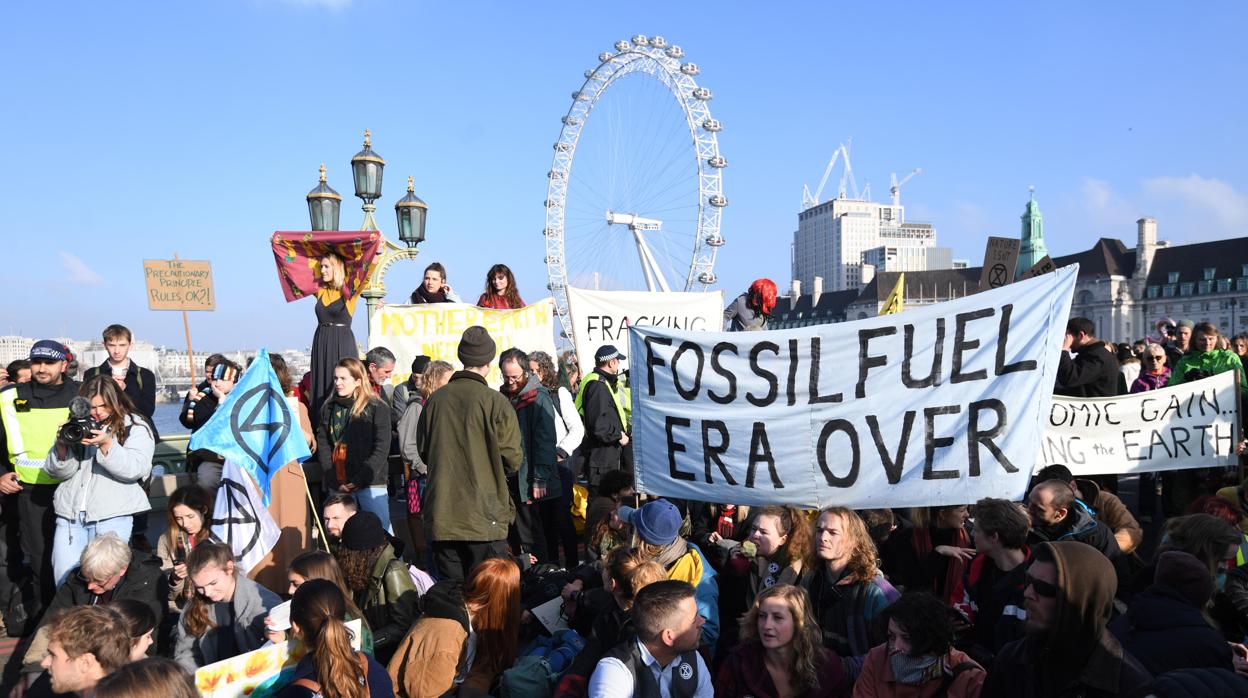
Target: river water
166	419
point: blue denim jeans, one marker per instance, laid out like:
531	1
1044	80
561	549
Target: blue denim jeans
376	500
71	537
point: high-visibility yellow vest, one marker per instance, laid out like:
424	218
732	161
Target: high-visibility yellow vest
618	396
29	436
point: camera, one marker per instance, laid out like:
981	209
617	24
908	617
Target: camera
77	429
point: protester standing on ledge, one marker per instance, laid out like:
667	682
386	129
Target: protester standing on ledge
434	289
751	310
500	290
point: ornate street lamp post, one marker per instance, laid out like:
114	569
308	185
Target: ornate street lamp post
410	211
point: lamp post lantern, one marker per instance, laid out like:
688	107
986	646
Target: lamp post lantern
324	204
411	214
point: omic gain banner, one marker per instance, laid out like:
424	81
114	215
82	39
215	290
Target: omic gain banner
942	404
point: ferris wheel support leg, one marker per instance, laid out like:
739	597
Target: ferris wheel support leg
649	265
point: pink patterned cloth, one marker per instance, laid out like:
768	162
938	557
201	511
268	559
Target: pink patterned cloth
298	253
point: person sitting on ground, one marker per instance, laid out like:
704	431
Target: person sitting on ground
992	600
1237	496
615	488
108	570
318	564
380	582
331	668
656	534
101	477
1068	650
1057	515
1165	627
484	614
662	659
781	654
226	616
919	658
1228	512
1106	505
781	538
141	623
155	677
85	644
933	556
846	589
335	512
719	528
189	513
624	573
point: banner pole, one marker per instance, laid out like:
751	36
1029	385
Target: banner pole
316	519
186	326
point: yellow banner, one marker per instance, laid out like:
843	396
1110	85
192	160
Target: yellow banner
434	330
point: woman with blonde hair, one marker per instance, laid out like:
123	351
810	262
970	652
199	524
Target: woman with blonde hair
847	592
226	616
467	636
781	655
331	668
155	677
333	340
101	474
353	441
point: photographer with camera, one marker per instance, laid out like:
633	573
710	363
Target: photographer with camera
102	453
30	417
200	404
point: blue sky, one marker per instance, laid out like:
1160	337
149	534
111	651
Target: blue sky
137	130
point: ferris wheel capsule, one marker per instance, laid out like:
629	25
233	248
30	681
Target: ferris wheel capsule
551	203
715	240
604	57
570	121
689	68
641	40
707	277
622	45
712	125
674	52
718	200
590	73
555	174
717	161
563	147
658	42
702	93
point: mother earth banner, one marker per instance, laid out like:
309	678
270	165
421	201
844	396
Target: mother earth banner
942	404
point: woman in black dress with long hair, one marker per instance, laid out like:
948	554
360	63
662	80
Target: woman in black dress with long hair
333	340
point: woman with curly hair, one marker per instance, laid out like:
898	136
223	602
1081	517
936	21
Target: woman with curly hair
919	659
380	583
500	290
780	653
846	589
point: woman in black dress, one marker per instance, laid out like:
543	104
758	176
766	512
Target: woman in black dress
333	340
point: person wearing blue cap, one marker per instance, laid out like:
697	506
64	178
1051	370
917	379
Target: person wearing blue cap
30	416
603	404
656	535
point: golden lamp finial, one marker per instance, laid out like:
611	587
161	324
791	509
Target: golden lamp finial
410	190
322	173
367	142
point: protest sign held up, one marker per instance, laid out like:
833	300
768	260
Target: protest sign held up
434	330
942	404
603	317
1191	425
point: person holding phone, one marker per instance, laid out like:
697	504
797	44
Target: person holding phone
189	514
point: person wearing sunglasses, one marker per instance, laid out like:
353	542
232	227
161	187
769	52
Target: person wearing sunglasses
1068	648
1155	372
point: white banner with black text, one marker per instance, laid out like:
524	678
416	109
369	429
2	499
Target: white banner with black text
940	404
603	317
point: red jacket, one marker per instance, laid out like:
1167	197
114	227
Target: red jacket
877	678
743	674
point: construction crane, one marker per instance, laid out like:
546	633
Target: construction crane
847	177
894	187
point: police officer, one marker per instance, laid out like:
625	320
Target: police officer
604	406
30	415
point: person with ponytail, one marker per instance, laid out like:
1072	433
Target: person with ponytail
467	636
331	668
318	564
226	616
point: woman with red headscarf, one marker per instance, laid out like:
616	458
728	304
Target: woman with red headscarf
752	309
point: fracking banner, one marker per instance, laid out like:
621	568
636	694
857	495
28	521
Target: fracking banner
434	330
1186	426
941	404
603	317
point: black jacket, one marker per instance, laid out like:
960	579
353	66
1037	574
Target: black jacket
40	397
601	446
1092	373
1199	683
368	446
204	410
1165	632
1085	529
140	385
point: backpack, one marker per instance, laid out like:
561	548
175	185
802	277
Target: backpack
21	610
537	671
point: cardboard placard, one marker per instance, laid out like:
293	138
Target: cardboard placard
1000	259
179	284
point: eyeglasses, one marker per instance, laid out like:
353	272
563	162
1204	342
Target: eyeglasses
1042	587
1155	358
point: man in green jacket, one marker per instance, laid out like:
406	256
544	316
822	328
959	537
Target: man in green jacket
470	440
1205	359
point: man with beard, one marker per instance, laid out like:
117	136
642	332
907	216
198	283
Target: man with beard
1093	372
1057	515
1068	650
535	490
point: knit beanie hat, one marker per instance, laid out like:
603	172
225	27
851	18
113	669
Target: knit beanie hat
476	347
1185	574
657	522
363	532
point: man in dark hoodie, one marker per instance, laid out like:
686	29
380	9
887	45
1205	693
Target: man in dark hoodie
1164	627
535	490
1094	370
1068	650
1057	515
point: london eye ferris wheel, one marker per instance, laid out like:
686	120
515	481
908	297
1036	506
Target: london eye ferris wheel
642	208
